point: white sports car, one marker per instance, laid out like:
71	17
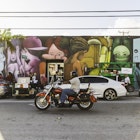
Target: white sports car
104	87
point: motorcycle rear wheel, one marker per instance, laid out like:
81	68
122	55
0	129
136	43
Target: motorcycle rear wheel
130	88
85	105
41	103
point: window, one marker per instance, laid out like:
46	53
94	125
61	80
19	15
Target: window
93	80
100	80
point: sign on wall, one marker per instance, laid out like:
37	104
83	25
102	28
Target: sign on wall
136	50
126	70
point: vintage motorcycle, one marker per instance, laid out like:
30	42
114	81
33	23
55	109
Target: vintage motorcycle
51	96
129	87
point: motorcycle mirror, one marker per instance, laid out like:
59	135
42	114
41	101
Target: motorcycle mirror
88	85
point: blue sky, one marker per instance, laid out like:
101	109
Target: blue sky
72	22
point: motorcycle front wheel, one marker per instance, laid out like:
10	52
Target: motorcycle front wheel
85	105
41	103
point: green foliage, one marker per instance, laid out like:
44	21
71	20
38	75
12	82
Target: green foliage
6	37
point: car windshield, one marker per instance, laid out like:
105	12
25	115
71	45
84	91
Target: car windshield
93	80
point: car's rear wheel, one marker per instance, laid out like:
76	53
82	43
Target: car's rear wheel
110	94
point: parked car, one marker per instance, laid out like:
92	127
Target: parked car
4	88
104	87
23	88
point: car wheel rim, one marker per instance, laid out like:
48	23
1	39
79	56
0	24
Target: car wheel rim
110	95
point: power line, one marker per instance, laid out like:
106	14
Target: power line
71	16
69	11
130	28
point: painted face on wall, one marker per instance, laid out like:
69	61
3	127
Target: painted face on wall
54	53
121	53
13	57
32	47
30	62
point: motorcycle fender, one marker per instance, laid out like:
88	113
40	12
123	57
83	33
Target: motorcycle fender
43	94
40	94
93	99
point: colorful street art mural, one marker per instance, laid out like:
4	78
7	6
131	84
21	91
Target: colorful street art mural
87	55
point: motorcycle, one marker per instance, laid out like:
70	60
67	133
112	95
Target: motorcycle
51	95
129	87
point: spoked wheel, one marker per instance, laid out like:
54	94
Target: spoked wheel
41	103
130	88
85	105
110	94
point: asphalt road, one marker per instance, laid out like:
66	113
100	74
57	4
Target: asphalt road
107	120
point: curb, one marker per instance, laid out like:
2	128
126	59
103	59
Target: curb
135	93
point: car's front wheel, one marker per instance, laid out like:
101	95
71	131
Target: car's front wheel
110	94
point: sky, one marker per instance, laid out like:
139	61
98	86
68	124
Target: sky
30	21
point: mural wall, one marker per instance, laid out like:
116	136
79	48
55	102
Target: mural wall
83	54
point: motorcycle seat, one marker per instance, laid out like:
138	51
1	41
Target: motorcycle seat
84	90
73	95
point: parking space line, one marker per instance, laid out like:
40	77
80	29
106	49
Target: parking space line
31	104
138	136
16	101
135	100
1	136
117	101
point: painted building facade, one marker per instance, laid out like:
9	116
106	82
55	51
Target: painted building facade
92	55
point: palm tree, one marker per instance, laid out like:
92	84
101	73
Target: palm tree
5	42
6	37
